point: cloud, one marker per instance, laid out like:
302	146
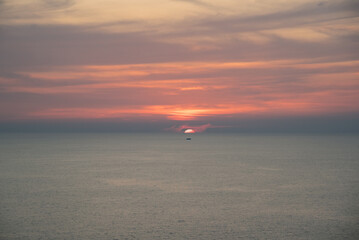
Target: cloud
199	3
279	28
246	59
65	45
306	14
183	91
58	4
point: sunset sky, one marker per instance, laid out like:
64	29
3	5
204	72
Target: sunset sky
145	64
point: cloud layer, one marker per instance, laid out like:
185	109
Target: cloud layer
187	61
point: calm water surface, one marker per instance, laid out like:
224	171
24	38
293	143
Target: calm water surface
160	186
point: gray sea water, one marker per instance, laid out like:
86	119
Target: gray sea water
160	186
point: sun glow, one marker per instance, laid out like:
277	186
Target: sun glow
189	130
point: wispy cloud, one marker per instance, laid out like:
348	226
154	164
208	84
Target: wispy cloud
199	3
185	91
58	4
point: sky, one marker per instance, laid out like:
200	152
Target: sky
217	65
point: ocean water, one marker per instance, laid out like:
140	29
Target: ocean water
160	186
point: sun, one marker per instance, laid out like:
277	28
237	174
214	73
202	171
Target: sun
189	130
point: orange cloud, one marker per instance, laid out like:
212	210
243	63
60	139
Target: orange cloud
192	91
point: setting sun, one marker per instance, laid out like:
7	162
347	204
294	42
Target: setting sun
189	131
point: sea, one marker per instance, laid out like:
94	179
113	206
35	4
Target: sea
115	186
